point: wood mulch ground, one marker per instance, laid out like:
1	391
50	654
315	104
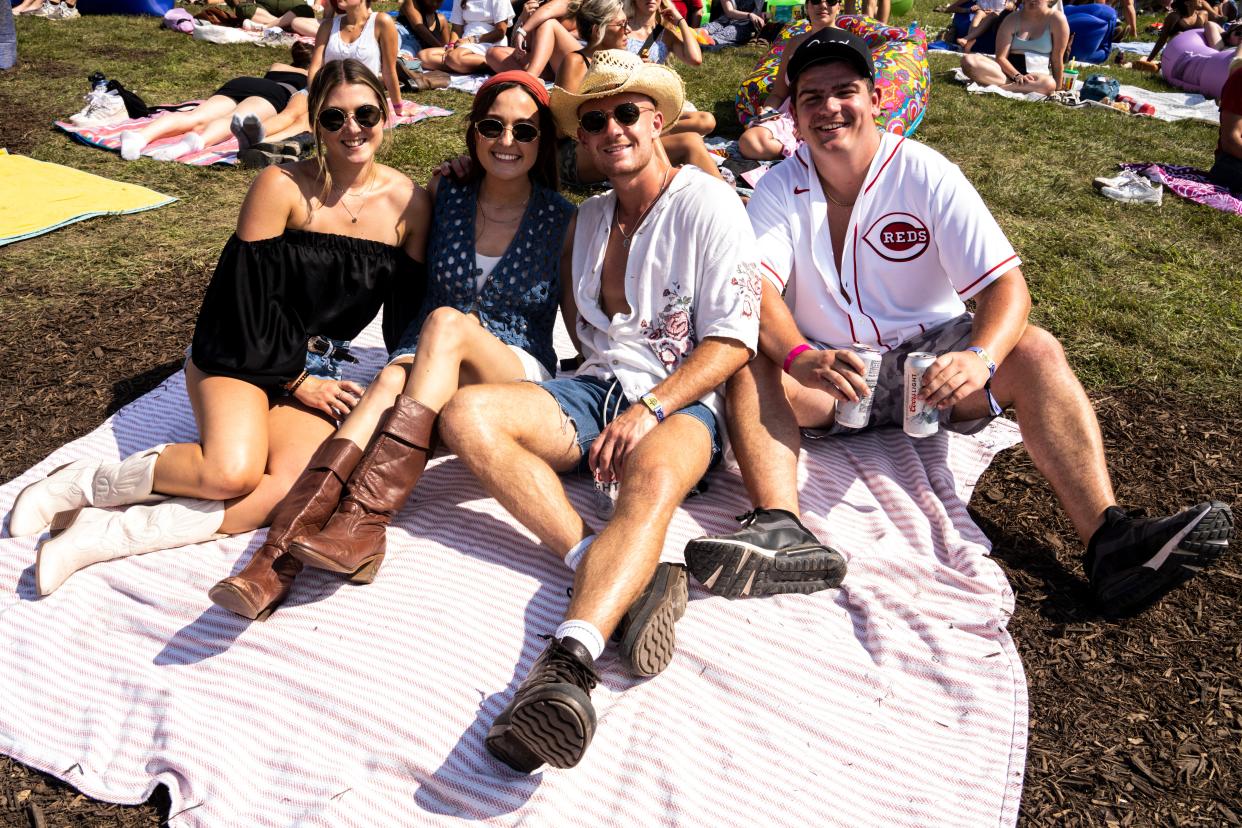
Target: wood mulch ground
1136	722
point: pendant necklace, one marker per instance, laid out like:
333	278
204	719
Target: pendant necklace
616	216
341	201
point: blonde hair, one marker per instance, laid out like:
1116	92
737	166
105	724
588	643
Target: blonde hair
593	18
331	75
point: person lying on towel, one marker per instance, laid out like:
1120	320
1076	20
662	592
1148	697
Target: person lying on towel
877	239
667	297
320	246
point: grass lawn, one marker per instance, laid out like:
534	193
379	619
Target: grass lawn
1135	723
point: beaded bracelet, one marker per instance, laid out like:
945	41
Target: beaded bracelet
292	387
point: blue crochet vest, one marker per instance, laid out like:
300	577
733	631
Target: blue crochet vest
519	300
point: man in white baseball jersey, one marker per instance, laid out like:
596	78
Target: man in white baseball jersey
876	239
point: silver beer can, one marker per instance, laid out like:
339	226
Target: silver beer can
920	419
858	414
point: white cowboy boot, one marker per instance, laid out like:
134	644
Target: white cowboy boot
100	535
84	483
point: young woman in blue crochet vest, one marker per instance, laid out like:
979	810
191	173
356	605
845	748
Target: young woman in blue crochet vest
498	264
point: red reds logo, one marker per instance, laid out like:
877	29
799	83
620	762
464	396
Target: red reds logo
898	237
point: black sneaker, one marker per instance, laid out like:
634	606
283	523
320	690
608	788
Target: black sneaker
646	635
1131	561
550	720
772	554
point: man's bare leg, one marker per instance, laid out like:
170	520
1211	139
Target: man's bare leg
773	552
1130	562
516	440
551	720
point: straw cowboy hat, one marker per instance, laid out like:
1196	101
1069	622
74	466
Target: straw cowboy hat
613	72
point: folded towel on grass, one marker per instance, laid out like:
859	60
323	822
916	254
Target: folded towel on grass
225	152
66	195
1170	106
1190	183
898	700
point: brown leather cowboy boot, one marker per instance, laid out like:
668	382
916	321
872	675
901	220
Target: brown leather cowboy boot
352	541
265	581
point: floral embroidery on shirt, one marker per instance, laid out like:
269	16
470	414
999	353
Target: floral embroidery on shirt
749	283
673	337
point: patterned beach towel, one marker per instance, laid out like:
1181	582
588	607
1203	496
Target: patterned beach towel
898	700
1190	183
225	152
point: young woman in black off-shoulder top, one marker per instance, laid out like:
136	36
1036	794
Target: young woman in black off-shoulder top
320	246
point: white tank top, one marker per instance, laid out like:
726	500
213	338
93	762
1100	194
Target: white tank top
365	47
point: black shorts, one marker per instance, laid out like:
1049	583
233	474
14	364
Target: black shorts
1227	172
238	89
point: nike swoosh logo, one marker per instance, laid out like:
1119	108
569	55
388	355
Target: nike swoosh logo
801	190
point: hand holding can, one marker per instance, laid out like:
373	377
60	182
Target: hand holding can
919	419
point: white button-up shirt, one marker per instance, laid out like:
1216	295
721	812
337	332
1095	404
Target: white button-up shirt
691	274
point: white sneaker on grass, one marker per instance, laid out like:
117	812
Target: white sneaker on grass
1125	177
1138	191
103	108
64	11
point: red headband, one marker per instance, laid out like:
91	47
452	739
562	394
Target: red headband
523	79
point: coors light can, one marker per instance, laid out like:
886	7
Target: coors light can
857	414
920	419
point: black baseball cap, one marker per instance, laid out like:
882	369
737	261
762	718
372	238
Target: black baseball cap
831	44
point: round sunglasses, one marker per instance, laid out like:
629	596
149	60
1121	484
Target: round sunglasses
625	114
366	116
493	128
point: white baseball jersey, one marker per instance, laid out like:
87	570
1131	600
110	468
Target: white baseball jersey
919	243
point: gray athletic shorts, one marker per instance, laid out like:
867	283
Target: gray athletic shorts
886	409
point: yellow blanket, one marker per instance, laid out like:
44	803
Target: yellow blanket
37	197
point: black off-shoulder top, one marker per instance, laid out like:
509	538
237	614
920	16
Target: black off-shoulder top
268	297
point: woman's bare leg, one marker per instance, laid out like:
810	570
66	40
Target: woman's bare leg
464	61
294	433
179	123
215	131
697	121
453	350
760	144
229	459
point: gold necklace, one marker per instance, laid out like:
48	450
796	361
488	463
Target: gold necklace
834	201
616	216
341	200
521	210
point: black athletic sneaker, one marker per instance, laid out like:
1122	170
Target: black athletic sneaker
550	720
646	635
773	553
1131	561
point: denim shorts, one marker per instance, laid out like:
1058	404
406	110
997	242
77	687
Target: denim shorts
592	403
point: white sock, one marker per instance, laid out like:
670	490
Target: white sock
574	556
190	142
585	633
131	145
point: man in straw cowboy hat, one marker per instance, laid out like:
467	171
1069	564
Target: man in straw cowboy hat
668	308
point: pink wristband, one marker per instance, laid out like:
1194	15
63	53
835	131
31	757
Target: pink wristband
793	354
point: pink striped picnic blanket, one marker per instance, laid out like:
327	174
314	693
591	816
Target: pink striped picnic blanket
225	152
898	700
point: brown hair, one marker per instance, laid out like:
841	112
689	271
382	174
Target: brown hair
331	75
545	171
301	54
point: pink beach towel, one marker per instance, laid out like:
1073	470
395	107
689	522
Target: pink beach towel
225	152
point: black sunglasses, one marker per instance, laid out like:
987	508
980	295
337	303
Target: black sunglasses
493	128
625	114
829	2
366	116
